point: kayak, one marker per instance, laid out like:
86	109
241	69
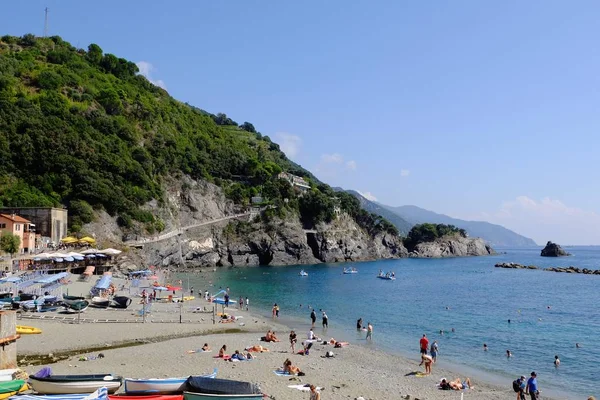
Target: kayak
28	330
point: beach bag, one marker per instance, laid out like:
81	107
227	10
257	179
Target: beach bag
517	385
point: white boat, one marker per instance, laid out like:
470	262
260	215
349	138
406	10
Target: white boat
159	386
74	384
387	277
350	271
100	302
303	273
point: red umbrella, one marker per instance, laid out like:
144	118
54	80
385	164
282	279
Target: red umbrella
173	288
153	277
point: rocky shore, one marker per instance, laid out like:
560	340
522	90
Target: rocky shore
210	240
568	270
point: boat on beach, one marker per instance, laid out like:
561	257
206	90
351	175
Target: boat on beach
199	388
160	386
303	273
146	397
99	302
75	384
120	302
67	297
75	306
7	374
28	330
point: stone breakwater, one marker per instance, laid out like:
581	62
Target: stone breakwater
568	270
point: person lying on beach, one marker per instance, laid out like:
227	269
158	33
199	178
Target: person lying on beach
288	368
457	384
256	348
222	351
237	356
206	347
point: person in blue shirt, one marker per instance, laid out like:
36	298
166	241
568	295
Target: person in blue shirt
532	387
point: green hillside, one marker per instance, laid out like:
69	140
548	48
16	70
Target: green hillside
83	129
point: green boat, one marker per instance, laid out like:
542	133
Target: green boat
10	388
76	305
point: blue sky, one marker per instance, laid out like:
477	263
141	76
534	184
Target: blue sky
481	110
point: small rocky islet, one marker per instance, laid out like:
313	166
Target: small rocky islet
568	270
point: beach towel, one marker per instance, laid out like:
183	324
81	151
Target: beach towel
304	388
199	351
225	357
280	372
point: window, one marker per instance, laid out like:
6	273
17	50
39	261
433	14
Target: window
2	226
17	227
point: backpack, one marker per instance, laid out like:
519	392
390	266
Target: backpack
517	385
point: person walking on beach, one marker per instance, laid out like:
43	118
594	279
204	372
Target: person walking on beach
519	386
434	350
313	317
192	291
369	332
532	387
424	343
247	304
325	320
427	360
293	340
241	303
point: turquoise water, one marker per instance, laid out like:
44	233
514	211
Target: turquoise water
467	294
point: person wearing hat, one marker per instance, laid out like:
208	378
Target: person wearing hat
532	387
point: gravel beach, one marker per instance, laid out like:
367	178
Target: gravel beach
160	349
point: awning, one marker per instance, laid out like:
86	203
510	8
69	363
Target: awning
89	270
52	278
103	283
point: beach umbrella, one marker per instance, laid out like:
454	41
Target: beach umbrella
90	256
159	288
58	255
89	251
69	259
44	256
74	254
110	251
68	239
100	255
173	287
87	239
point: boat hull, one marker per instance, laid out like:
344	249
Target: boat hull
208	396
73	384
99	302
159	386
387	278
121	302
28	330
147	397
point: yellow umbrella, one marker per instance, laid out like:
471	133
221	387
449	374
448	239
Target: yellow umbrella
88	239
69	239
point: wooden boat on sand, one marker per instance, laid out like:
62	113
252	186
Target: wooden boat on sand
199	388
160	386
74	384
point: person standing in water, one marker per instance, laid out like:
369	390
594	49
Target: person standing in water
325	320
359	324
556	361
313	317
247	304
369	331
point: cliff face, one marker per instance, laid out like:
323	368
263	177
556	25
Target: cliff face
210	238
452	246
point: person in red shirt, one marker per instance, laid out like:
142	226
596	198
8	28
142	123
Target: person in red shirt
424	344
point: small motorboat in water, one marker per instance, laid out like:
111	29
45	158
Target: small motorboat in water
350	270
389	276
303	273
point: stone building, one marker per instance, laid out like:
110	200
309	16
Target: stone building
51	223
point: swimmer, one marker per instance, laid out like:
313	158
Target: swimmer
453	330
485	348
577	345
556	361
441	332
508	354
509	321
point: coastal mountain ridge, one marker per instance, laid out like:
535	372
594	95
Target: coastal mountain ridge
495	235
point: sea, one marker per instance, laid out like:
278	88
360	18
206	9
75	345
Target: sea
461	303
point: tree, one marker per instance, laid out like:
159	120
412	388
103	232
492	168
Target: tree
248	127
10	243
94	54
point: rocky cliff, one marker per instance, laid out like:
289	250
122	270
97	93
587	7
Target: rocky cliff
452	246
553	250
197	233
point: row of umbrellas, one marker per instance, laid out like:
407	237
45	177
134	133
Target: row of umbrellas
73	240
74	256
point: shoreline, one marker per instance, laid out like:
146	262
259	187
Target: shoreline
160	350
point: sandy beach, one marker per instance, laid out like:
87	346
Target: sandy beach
161	349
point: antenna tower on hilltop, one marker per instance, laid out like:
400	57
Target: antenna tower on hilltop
46	22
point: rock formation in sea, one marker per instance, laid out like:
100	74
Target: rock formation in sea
452	246
568	270
553	250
